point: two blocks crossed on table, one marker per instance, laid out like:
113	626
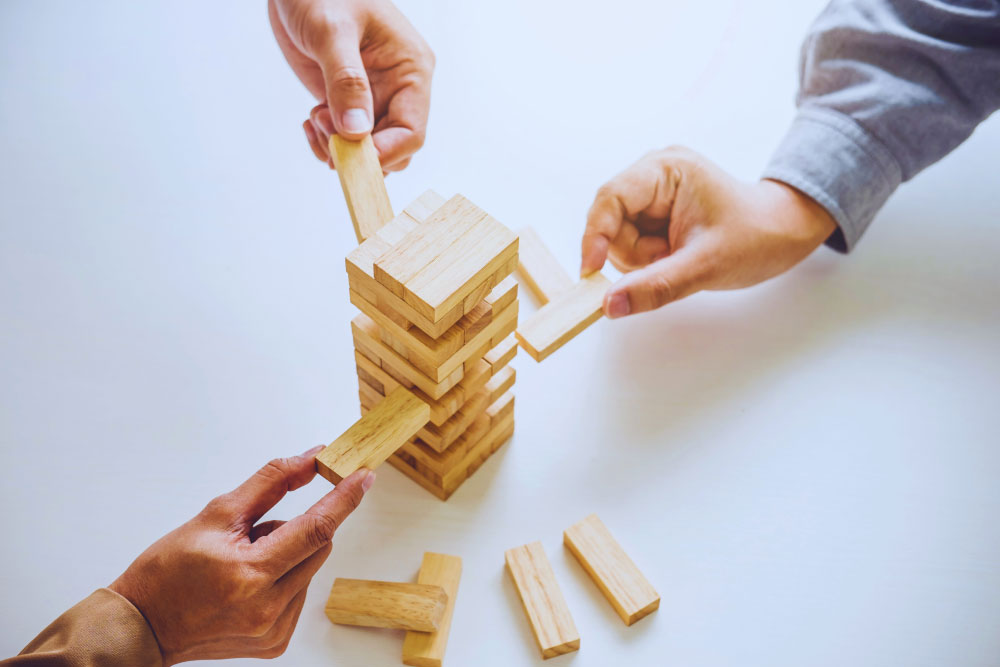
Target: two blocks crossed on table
439	316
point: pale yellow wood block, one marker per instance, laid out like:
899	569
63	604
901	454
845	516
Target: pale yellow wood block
500	383
450	255
386	604
363	184
426	649
558	321
625	587
502	354
374	437
539	269
542	599
501	407
503	294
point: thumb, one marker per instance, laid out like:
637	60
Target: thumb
348	92
657	284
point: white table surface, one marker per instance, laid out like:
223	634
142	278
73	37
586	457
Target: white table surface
807	471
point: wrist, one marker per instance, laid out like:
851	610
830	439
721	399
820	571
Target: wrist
800	217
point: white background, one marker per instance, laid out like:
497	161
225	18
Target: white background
807	471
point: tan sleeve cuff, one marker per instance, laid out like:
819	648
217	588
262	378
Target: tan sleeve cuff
104	630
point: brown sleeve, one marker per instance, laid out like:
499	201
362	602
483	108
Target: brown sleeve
104	630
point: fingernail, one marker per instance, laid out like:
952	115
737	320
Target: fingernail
367	482
314	450
355	121
618	305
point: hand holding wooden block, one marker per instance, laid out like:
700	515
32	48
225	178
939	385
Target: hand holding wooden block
632	596
558	321
386	604
543	602
375	436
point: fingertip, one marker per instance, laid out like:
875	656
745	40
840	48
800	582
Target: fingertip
616	304
354	124
312	451
594	254
368	480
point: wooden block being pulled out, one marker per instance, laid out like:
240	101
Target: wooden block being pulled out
543	602
630	593
363	184
386	604
426	649
375	436
558	321
539	269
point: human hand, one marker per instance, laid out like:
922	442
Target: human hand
367	66
676	224
220	586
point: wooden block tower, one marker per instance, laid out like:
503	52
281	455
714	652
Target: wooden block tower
438	314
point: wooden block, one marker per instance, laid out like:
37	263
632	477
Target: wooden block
504	294
450	255
440	438
366	339
560	320
386	604
539	269
363	184
630	593
543	602
438	464
502	354
498	385
442	408
501	408
374	437
427	649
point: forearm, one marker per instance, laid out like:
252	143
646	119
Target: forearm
103	630
888	87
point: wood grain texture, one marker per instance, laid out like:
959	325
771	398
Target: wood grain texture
542	599
625	587
363	184
500	383
539	269
457	250
423	649
386	604
558	321
374	437
502	354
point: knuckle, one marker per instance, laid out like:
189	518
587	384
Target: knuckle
260	619
219	506
322	530
350	80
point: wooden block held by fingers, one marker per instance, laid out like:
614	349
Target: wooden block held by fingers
539	269
363	184
386	604
558	321
375	436
426	649
543	602
628	591
454	252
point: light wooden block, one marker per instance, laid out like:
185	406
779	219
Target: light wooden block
422	649
500	383
386	604
558	321
628	591
504	294
538	268
451	254
363	184
542	599
502	354
374	437
501	407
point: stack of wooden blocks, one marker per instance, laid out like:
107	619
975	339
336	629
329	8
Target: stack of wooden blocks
438	313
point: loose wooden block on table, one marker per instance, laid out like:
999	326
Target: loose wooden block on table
628	591
374	437
386	604
539	269
363	184
542	599
558	321
426	649
454	252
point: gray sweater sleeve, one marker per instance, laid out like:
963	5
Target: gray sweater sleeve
887	88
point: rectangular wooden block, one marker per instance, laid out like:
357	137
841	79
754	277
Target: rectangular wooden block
451	254
502	354
422	649
628	591
363	184
501	407
543	601
502	381
386	604
558	321
539	269
374	437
